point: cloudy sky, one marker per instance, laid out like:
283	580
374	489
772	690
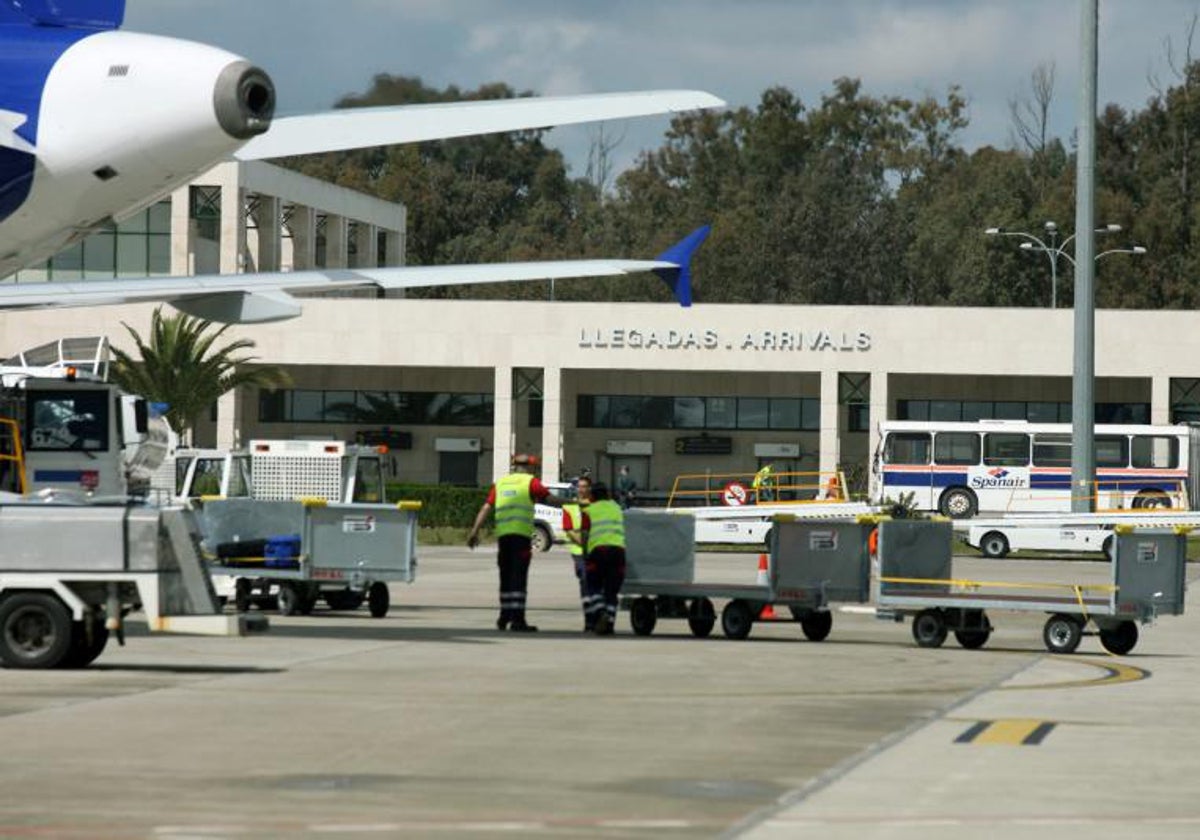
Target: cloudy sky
318	50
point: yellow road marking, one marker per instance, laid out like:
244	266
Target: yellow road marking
1011	732
1114	673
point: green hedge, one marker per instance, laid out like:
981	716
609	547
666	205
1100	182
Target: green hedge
441	506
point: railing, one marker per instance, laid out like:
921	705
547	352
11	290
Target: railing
749	489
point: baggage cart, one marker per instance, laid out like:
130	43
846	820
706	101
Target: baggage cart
916	580
306	550
811	564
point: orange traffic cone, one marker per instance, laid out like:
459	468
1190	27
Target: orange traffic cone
764	579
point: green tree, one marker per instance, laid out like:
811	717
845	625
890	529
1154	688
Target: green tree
180	365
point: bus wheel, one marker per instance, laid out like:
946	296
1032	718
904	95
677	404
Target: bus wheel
1152	499
994	545
958	503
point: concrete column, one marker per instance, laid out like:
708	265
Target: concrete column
829	446
183	234
366	246
266	218
233	227
877	413
502	426
551	423
393	255
337	241
228	420
304	238
1160	400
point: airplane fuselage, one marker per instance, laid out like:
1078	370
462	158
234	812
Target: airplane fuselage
95	125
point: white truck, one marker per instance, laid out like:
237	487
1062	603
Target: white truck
81	547
324	499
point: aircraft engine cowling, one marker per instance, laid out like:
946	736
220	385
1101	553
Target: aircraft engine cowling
124	118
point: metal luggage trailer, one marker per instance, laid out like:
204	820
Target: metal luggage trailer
348	552
69	574
916	580
811	564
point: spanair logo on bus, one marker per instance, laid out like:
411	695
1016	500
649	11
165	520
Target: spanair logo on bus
998	477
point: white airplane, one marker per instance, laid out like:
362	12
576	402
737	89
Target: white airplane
97	123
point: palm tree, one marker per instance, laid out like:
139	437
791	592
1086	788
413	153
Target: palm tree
180	366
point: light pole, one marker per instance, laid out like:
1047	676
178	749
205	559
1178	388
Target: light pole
1054	249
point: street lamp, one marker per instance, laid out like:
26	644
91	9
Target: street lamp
1054	249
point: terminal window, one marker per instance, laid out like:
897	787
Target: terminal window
614	411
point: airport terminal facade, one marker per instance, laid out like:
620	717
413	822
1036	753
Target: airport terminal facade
455	387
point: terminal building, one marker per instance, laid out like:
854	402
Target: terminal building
455	387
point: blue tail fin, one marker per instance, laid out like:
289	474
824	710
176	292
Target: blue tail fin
680	279
72	14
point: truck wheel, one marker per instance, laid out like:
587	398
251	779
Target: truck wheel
290	599
701	618
816	625
378	599
958	503
241	596
643	615
35	631
1121	639
85	646
542	538
1107	547
929	629
737	619
994	545
1062	633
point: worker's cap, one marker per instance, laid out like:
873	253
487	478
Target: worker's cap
524	459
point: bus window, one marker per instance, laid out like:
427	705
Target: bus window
956	448
1051	450
1112	451
1006	449
907	448
1155	452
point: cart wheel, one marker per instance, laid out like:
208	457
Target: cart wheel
85	645
643	615
972	639
1120	639
35	631
737	619
1062	633
289	598
929	629
378	599
343	599
241	595
702	617
816	625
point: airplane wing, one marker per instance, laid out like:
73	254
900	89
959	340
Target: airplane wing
357	128
259	298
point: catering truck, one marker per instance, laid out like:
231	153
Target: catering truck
81	547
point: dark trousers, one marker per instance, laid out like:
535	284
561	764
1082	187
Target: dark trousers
581	575
605	572
513	559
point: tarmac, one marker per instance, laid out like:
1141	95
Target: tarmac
430	723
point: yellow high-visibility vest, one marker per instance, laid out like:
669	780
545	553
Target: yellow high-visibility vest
607	524
514	507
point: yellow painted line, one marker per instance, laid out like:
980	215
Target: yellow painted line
1114	674
1008	732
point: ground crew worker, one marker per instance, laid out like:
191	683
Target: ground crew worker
604	536
513	498
761	485
572	524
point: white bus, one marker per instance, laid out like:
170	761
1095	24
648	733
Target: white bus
960	469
